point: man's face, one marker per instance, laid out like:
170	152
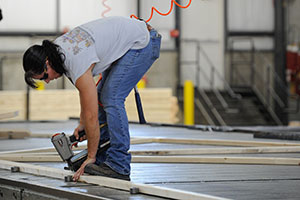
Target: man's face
49	74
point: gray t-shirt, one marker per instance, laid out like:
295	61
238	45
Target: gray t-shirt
102	42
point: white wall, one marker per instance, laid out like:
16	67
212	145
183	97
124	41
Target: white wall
80	11
252	16
28	15
203	21
40	15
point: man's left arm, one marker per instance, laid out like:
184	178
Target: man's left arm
89	116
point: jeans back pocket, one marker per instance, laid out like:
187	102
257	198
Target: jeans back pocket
156	41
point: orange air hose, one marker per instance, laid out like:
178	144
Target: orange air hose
164	14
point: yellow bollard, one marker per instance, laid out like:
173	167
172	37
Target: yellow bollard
188	102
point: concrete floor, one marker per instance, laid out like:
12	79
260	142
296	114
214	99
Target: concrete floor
224	180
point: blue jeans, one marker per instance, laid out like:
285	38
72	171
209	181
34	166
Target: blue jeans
116	84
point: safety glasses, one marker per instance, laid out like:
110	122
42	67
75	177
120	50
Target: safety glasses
45	73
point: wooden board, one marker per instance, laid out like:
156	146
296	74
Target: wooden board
165	152
217	142
265	146
221	142
58	104
80	147
8	115
31	158
217	160
169	159
35	150
108	182
209	151
13	134
10	101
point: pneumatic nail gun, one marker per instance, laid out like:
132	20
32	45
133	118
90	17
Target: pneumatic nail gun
63	145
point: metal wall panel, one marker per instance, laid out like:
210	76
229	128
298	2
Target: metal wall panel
250	15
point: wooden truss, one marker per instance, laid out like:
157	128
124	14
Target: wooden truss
195	155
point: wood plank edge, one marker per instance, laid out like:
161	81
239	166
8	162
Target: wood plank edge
108	182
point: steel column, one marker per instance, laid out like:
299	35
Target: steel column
280	58
178	46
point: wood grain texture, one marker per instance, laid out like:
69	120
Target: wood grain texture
168	159
7	115
159	105
222	142
10	101
217	160
225	150
14	134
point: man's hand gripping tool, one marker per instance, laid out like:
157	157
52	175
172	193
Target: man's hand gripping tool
63	145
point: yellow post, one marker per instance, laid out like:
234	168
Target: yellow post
188	102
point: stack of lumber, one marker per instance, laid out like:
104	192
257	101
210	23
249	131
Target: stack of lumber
159	105
54	104
294	123
11	101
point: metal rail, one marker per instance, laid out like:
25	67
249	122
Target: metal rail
200	53
266	93
254	76
204	112
212	107
275	76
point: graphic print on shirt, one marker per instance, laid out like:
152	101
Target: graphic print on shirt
78	39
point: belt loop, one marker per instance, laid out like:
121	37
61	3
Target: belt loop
149	27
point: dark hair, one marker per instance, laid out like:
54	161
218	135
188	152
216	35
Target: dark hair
35	57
